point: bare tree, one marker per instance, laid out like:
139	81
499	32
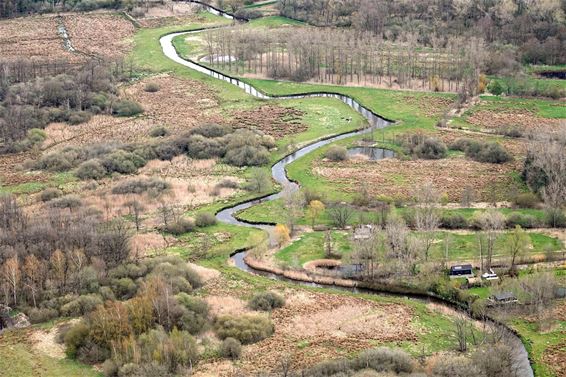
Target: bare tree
427	217
491	222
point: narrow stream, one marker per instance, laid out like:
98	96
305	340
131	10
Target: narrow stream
279	174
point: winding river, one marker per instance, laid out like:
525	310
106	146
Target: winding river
279	174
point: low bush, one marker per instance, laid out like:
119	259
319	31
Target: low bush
384	359
249	14
123	162
180	227
155	186
81	305
204	219
50	194
555	218
177	268
159	132
211	130
228	183
69	201
91	169
124	288
79	117
247	155
266	301
151	87
247	328
75	338
125	108
526	200
336	153
431	149
195	319
40	315
490	152
455	221
231	348
525	221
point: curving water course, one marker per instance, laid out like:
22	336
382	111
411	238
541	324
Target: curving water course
279	174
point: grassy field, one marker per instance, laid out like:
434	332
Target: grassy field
542	107
460	246
18	358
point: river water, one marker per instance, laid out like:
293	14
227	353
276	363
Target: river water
278	171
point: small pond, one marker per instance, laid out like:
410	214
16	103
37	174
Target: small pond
560	75
372	153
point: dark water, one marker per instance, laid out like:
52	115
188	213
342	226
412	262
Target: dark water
560	75
372	153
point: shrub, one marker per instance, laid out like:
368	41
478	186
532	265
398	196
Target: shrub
125	108
40	315
124	288
205	219
492	153
177	267
159	132
247	329
385	359
199	147
247	155
76	337
110	368
123	162
249	14
50	194
166	151
195	319
81	305
180	227
266	301
228	183
231	348
91	169
141	185
151	87
211	130
555	218
79	117
495	87
69	201
56	161
525	221
336	153
455	221
526	200
431	149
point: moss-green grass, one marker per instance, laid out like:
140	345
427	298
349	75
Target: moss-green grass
311	247
274	21
545	108
19	359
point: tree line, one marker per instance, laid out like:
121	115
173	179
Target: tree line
534	28
343	56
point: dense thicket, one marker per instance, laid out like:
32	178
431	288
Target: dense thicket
349	56
535	27
13	8
68	97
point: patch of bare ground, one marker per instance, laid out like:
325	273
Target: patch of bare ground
115	205
99	129
143	244
429	106
11	174
330	326
555	358
226	305
517	147
397	178
168	13
274	120
44	341
101	34
33	38
179	104
522	119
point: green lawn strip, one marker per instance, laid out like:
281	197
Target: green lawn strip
311	247
261	4
545	108
537	343
461	246
18	359
274	21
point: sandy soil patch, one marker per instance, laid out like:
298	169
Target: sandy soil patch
105	35
179	104
522	119
315	326
44	342
397	178
206	274
226	305
277	121
32	38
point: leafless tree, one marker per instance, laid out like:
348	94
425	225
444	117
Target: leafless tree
427	217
